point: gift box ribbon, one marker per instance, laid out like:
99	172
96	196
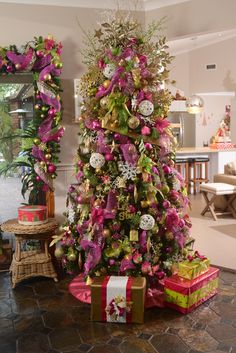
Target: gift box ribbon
112	287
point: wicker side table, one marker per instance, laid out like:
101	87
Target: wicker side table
26	264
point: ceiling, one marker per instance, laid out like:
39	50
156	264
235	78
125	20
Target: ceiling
187	44
145	5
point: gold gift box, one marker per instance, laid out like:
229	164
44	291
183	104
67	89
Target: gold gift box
138	291
194	268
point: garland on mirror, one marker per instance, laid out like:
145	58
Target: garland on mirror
41	138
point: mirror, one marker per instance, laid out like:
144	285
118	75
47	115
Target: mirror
30	112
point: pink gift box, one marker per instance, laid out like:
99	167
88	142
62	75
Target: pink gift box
185	295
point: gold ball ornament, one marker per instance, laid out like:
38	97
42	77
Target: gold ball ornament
104	102
58	252
48	150
97	203
47	77
133	122
18	66
37	141
37	107
106	233
48	156
106	83
53	176
42	164
71	256
42	116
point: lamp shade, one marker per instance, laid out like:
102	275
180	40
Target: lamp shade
194	104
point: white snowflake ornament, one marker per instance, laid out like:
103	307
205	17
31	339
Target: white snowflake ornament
146	107
128	170
147	222
97	160
109	70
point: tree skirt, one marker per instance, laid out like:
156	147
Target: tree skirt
81	291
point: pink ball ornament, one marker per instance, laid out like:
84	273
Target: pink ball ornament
51	168
80	199
38	178
39	53
109	157
112	262
166	204
117	136
146	130
9	68
166	169
51	112
181	223
148	146
145	268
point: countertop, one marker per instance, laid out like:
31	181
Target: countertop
192	150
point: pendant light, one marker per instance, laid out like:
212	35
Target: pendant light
194	104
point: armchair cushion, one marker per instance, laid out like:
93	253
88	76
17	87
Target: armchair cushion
230	168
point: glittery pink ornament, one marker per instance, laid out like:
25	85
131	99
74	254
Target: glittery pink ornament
96	125
146	130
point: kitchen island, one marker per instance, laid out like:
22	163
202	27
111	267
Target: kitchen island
218	157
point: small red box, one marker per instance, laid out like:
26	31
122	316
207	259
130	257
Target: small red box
32	215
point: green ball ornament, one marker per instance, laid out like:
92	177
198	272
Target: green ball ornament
165	189
58	65
71	256
44	108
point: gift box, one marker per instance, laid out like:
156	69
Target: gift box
184	295
118	299
194	267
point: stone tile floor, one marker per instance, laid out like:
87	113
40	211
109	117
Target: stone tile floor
40	316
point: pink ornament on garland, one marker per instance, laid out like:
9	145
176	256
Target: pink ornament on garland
51	168
146	130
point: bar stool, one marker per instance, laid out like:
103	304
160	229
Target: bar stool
197	174
181	165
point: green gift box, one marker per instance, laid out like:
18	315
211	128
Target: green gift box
194	267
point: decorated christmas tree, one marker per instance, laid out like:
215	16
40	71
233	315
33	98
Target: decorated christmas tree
127	213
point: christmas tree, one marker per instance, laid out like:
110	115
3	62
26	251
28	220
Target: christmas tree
127	213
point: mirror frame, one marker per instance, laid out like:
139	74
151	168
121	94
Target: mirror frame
41	58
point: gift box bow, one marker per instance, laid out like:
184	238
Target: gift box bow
196	256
